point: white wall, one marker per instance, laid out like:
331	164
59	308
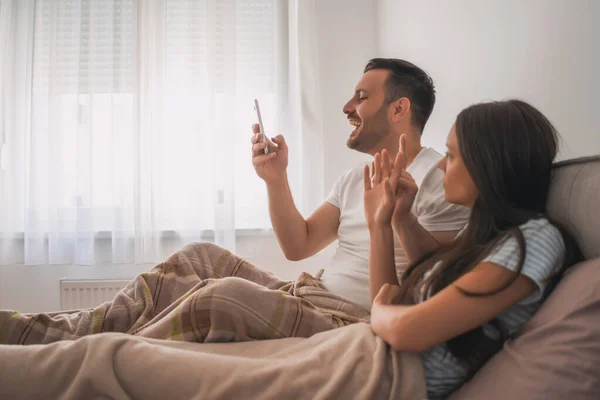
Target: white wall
347	40
543	51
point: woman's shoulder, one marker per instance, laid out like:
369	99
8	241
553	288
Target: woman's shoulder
544	247
544	254
542	230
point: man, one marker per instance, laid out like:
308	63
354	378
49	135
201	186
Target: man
203	293
392	98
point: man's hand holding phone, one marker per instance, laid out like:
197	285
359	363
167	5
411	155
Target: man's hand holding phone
270	165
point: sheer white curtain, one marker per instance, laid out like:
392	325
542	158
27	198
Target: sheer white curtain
126	124
16	49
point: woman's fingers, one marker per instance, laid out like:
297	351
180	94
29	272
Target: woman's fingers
385	164
406	175
389	192
401	161
387	294
407	185
367	178
378	171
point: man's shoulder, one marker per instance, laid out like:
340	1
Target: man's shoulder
350	183
427	158
354	174
426	162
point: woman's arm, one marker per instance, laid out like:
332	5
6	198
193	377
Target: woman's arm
449	313
382	265
379	206
416	241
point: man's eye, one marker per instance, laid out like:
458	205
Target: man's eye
362	98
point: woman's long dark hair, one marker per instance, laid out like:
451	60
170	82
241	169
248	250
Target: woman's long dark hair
508	148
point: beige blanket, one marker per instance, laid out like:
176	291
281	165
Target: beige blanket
345	363
202	293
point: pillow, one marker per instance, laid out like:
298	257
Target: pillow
557	353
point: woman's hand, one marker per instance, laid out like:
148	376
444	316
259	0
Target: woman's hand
378	193
405	188
389	190
388	294
381	320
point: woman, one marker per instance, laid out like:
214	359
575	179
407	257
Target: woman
456	305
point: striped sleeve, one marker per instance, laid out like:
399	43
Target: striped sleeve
544	254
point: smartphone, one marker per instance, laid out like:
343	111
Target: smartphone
261	127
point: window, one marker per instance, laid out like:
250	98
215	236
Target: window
152	112
135	125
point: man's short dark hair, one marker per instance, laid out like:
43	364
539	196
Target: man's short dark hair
407	80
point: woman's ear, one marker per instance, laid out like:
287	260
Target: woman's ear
400	109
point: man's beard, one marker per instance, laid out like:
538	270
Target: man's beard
371	132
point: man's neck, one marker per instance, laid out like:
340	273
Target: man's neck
411	150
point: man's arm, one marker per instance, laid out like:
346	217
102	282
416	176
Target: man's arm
297	237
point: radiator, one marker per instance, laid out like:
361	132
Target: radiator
87	293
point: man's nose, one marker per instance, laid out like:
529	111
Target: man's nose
348	108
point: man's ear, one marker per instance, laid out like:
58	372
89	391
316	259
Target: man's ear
400	109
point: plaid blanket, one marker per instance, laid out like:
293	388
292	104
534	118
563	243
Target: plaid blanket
202	293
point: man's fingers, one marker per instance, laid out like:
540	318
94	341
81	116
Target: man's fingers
279	140
256	138
258	148
255	128
261	159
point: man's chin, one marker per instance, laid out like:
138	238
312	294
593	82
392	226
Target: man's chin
352	143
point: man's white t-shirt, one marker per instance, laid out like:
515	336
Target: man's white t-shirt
348	271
